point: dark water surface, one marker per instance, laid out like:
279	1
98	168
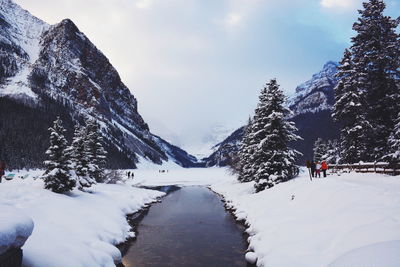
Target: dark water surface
190	227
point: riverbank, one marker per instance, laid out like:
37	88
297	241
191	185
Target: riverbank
347	220
78	229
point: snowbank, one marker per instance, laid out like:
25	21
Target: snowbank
79	229
15	228
343	220
179	176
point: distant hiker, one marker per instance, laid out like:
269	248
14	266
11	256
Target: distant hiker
313	167
2	169
132	174
324	167
308	165
318	170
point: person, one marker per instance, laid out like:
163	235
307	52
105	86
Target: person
308	165
132	174
2	169
318	170
313	167
324	167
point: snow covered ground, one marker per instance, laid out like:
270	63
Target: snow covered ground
15	228
179	176
79	229
347	220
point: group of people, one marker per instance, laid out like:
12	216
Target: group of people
130	175
316	168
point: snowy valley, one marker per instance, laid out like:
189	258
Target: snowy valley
346	220
312	179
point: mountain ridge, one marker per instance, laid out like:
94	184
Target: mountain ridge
311	107
56	67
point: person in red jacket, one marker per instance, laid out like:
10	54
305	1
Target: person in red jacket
324	167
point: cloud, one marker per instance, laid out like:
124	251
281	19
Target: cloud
233	19
143	3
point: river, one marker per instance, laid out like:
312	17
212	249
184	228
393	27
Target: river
190	227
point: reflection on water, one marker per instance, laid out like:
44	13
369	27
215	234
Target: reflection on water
190	227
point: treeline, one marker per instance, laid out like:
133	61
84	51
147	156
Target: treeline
368	92
24	136
79	164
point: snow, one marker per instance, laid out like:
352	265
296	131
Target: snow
26	31
19	85
380	254
347	220
15	228
179	176
146	164
340	220
251	257
78	229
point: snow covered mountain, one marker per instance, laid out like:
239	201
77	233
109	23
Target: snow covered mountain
55	70
311	105
205	145
225	150
316	94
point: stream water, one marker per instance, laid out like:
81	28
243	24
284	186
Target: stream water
190	227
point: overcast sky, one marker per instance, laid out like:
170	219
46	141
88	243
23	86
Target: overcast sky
193	64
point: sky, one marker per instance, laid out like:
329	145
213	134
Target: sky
197	64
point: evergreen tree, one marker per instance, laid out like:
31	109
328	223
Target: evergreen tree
244	154
332	155
320	150
350	110
272	161
346	81
97	155
57	176
376	53
80	156
393	157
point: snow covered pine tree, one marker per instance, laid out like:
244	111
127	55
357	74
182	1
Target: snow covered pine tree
319	150
332	155
393	157
272	161
96	153
58	177
367	95
80	158
244	154
350	110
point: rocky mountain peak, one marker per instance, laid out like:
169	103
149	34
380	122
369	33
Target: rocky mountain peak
56	67
317	93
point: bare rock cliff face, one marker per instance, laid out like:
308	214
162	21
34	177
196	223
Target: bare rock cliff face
56	69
